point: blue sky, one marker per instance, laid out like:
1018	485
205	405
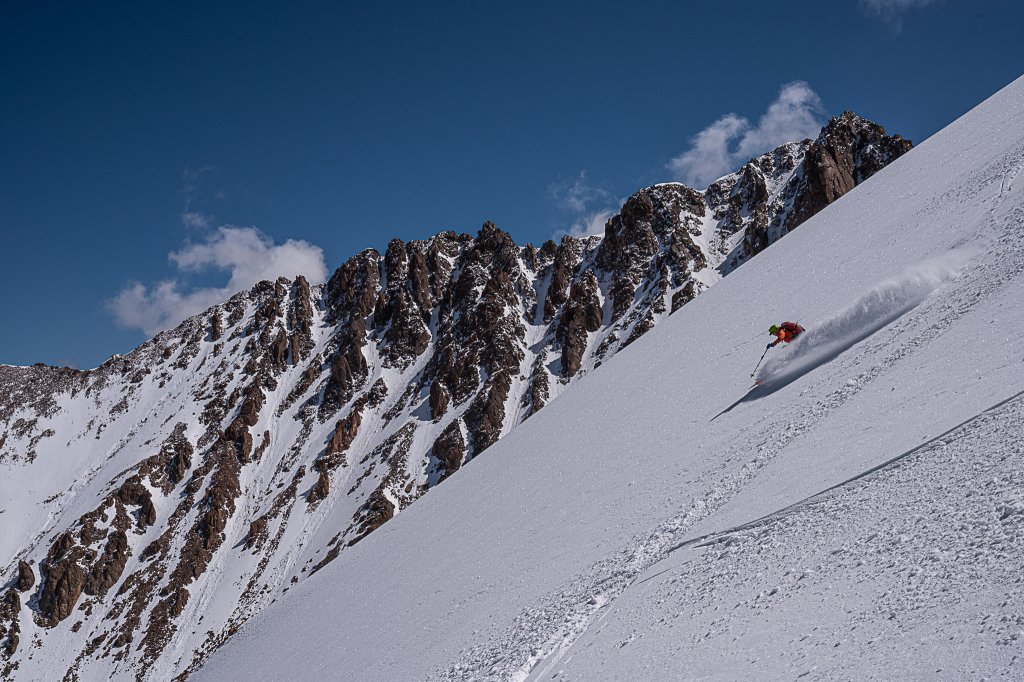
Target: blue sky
131	134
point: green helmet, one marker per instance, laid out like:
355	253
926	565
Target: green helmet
773	329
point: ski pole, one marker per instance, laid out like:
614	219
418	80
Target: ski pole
759	361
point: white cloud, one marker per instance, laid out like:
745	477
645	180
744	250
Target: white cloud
590	224
195	220
732	140
161	306
577	196
891	10
246	253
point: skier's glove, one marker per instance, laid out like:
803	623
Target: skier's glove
768	347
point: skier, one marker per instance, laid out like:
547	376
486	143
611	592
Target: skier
787	331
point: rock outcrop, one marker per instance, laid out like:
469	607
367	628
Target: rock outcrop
26	577
849	150
10	627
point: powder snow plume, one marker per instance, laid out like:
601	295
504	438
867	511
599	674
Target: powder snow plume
886	302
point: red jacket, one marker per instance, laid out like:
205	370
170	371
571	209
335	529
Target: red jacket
787	332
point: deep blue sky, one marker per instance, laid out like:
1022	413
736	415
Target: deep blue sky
348	124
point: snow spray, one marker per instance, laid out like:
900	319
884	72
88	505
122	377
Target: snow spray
887	301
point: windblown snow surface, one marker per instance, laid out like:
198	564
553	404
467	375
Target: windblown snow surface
864	519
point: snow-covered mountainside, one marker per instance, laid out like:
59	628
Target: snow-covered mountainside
154	504
858	515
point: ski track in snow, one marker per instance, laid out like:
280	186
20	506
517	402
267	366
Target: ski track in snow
542	634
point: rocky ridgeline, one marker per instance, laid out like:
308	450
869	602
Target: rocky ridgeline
226	459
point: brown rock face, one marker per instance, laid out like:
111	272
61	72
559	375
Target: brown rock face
439	399
848	151
300	321
567	256
133	494
257	530
350	297
742	204
167	469
321	489
487	413
109	566
26	577
10	628
496	333
248	414
406	336
216	326
629	243
449	449
219	502
655	229
683	296
348	368
480	335
540	387
373	514
180	461
404	304
343	378
63	582
419	282
345	432
279	351
73	565
745	206
351	291
582	314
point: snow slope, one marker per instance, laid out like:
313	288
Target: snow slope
570	551
152	505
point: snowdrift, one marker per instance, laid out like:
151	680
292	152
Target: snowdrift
824	340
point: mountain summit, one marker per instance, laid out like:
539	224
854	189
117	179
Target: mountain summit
154	504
